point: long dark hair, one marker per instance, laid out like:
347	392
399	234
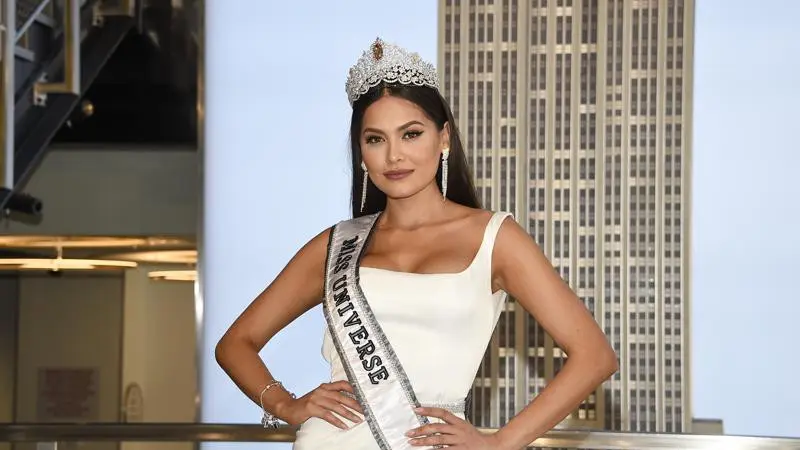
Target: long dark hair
460	188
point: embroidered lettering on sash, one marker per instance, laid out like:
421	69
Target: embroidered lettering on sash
356	331
345	254
378	379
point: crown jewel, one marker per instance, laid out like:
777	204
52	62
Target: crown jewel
389	63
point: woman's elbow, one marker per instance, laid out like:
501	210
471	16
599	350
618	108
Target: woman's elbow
613	364
224	349
608	361
231	347
600	359
220	351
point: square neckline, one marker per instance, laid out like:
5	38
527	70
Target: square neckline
473	261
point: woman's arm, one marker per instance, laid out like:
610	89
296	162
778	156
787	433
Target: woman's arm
522	270
298	288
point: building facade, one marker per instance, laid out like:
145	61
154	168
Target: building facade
576	117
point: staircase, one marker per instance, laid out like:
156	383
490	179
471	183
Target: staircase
58	50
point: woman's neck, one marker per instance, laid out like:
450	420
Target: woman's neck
422	208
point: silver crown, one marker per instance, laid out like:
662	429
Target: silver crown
388	63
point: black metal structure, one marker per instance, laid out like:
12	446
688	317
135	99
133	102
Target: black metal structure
37	126
137	85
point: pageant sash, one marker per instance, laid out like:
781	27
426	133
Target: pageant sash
379	381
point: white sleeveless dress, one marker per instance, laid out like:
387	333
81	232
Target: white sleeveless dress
439	326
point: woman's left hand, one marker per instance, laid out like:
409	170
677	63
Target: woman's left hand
455	433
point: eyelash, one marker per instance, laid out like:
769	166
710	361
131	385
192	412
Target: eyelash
408	135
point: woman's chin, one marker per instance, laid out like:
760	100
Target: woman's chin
401	194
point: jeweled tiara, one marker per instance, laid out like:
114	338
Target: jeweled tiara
385	62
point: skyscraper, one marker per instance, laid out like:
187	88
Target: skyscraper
577	117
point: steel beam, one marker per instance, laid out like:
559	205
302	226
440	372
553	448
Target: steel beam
7	89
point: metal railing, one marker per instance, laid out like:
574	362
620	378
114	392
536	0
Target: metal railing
16	20
49	436
27	13
8	41
71	29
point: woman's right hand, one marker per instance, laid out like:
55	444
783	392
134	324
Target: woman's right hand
322	402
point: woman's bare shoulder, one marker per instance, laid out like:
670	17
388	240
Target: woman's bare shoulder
312	256
319	243
476	219
470	216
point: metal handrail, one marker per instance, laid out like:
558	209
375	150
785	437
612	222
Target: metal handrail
189	432
32	18
8	13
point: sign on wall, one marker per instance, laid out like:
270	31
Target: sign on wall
68	394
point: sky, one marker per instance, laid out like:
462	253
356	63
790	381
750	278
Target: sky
279	69
746	202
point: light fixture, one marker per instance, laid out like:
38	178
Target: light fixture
90	242
173	275
183	257
167	257
159	256
59	263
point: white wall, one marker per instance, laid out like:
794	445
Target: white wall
132	329
159	351
70	322
114	191
8	347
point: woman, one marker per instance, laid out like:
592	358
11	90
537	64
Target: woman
412	288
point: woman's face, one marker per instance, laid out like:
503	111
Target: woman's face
401	147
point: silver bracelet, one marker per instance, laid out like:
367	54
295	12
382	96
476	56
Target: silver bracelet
267	418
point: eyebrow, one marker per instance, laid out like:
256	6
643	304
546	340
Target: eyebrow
400	128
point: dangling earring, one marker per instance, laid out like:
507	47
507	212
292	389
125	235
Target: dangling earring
445	155
364	186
